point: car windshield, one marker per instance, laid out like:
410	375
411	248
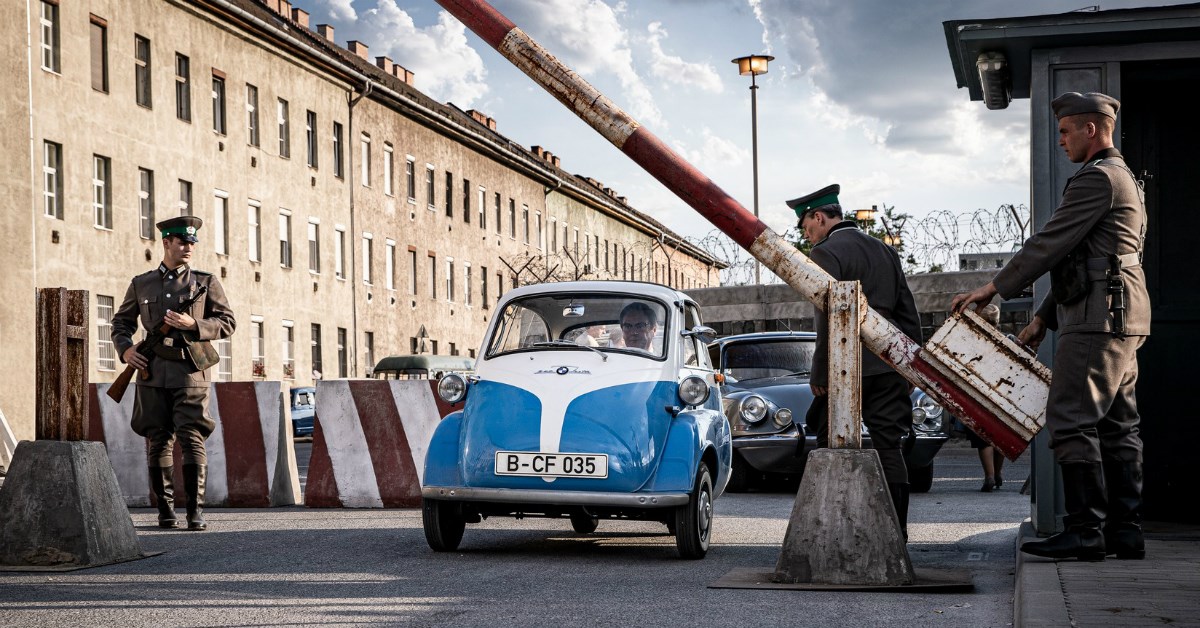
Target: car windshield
770	358
305	398
581	322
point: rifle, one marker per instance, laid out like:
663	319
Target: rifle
146	347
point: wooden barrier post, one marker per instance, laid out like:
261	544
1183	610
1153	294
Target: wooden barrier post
846	308
62	361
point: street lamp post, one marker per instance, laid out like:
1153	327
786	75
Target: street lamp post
754	65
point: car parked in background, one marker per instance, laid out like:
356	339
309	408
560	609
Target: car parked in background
590	400
766	398
422	366
304	406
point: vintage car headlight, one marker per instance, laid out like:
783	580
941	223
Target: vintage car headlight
926	413
452	388
754	409
693	390
783	417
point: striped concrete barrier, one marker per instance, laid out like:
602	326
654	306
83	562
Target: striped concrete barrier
369	443
8	443
251	457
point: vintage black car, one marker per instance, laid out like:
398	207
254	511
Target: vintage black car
766	397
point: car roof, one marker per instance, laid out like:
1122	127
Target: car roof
642	288
426	362
767	335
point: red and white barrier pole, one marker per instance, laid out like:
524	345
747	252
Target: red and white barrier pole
793	267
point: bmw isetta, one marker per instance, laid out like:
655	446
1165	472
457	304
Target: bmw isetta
590	400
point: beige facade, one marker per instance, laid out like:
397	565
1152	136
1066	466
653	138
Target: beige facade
296	152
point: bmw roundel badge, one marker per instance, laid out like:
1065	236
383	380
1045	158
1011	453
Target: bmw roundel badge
562	370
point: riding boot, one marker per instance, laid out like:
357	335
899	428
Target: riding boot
193	483
1082	538
899	493
1123	528
162	482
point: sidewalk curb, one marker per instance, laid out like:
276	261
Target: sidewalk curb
1038	598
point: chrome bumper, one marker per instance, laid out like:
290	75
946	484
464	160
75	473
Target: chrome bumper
559	498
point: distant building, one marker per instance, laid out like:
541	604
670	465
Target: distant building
983	261
348	215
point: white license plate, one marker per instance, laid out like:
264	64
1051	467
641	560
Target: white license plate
551	465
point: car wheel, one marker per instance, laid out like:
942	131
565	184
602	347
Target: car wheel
584	523
920	480
693	521
739	475
444	524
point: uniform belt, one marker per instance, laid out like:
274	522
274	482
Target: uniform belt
1098	267
169	353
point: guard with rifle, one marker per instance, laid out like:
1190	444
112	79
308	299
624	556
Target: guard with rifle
182	310
1098	302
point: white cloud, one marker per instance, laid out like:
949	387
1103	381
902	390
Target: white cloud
714	153
341	10
674	69
446	68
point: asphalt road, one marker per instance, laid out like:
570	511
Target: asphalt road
341	567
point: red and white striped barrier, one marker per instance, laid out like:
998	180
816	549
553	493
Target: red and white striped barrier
251	458
369	443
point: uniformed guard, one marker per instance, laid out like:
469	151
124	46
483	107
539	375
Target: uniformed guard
1092	248
173	400
845	252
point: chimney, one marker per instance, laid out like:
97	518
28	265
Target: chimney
385	64
409	77
491	123
537	150
358	48
556	161
326	31
623	200
273	5
300	16
548	156
285	8
479	117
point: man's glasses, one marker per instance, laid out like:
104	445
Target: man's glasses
636	326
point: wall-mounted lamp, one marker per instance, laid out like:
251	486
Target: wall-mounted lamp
995	79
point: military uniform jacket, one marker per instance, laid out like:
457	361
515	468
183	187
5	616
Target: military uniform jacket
148	298
849	254
1103	210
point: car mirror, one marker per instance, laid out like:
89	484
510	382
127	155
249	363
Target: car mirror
701	332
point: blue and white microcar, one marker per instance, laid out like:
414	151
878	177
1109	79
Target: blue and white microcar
590	400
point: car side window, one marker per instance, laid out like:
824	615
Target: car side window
695	353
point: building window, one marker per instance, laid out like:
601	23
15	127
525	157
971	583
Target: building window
525	223
429	186
106	353
365	166
289	350
218	104
99	45
220	222
341	349
537	230
252	113
467	284
185	198
482	208
258	347
52	191
146	203
141	70
483	279
102	192
596	251
500	285
339	252
412	272
410	179
285	238
310	137
466	201
285	129
366	260
565	240
389	265
450	280
224	348
449	194
50	36
368	352
432	277
183	88
338	158
314	245
317	367
254	219
554	235
512	219
498	222
388	169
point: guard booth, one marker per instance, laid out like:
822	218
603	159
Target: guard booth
1149	59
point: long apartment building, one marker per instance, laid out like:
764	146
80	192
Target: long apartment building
348	215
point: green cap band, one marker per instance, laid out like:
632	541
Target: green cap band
188	230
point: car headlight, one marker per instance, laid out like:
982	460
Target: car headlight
783	417
754	409
693	390
927	414
452	388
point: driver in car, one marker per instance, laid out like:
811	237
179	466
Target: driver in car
638	325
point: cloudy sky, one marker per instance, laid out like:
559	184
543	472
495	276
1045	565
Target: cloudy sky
861	93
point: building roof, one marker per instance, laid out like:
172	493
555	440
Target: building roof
1018	37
